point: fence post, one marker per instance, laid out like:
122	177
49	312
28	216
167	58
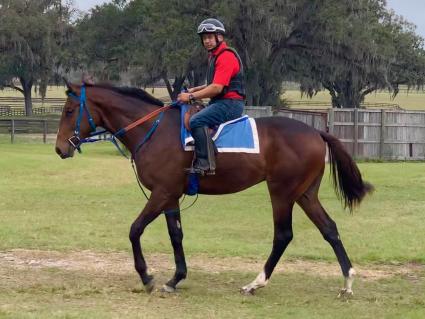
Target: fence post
356	133
382	135
44	131
331	120
12	132
269	110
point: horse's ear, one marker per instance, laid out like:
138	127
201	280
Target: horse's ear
68	85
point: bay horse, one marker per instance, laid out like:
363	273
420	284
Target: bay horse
291	161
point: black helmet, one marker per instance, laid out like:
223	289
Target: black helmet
211	26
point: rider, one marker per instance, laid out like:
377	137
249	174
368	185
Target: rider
225	88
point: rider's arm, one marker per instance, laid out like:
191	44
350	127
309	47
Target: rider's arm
196	88
208	91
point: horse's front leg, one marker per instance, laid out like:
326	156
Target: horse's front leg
176	236
158	202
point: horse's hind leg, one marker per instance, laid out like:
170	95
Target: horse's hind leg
282	218
310	203
176	236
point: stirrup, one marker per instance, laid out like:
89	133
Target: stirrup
199	171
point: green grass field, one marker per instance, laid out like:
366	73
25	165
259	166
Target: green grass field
65	253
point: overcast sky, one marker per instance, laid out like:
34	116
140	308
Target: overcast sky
87	4
412	10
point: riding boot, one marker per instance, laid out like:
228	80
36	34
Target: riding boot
204	152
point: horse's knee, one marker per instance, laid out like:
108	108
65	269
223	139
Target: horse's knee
284	236
135	233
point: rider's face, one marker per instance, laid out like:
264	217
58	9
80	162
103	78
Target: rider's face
209	40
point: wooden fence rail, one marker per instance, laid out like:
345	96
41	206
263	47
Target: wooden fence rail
32	127
380	134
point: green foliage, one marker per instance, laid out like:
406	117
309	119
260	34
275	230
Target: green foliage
362	47
31	37
101	40
168	47
349	47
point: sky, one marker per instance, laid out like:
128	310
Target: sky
411	10
85	5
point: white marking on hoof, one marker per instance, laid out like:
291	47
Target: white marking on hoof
345	293
169	289
348	284
259	282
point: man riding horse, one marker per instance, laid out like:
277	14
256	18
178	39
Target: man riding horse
225	87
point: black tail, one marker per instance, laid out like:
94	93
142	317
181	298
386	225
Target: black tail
347	179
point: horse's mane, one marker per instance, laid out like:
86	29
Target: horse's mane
130	91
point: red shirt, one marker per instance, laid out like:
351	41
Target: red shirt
226	67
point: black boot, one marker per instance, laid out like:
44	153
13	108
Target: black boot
204	152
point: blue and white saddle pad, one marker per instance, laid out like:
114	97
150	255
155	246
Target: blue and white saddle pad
237	136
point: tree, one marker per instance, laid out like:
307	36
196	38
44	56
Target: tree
101	39
168	47
372	49
31	35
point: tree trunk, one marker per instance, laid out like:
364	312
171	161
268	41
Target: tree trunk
344	96
27	88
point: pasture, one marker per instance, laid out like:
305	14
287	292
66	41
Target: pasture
65	253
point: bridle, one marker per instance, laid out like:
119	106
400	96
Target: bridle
76	141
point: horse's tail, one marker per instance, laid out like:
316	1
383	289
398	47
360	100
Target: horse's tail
347	179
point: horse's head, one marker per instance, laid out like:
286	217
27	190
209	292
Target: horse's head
79	118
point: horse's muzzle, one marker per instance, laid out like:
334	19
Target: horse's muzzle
64	152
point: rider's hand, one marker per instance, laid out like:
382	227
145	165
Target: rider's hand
191	90
184	97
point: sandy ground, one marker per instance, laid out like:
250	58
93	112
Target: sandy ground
121	263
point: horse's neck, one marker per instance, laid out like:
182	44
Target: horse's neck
118	115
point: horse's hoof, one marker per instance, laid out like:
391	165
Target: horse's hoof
168	289
150	285
345	293
247	291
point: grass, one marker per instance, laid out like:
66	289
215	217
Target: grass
409	101
89	202
59	294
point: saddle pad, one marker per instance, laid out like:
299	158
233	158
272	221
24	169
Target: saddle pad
238	136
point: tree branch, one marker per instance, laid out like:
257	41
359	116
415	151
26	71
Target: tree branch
12	86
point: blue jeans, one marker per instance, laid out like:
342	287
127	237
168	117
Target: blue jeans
218	112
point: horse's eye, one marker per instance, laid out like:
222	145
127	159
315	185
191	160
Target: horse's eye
69	111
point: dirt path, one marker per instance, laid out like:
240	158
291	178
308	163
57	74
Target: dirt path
117	263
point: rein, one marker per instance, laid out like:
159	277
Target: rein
76	141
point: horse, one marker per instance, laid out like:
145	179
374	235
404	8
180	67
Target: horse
291	161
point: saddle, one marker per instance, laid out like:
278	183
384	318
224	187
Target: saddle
193	109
